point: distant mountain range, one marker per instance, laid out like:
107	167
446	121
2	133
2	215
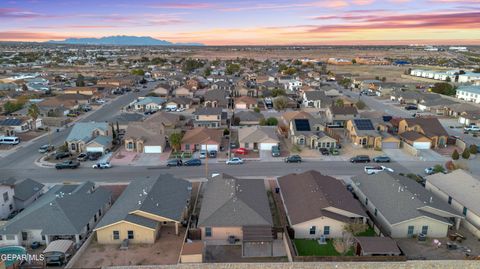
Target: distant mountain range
122	41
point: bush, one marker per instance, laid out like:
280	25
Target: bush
473	149
438	169
272	121
360	105
256	110
466	154
226	131
455	155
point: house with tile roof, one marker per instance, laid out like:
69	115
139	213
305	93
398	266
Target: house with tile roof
402	208
144	208
67	211
145	137
148	103
83	133
318	205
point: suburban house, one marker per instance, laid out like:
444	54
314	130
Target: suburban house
470	117
7	187
210	117
145	208
339	115
437	106
469	93
81	90
460	190
310	133
363	132
430	128
316	99
202	138
182	92
402	208
19	125
161	92
258	137
90	137
249	117
245	102
179	102
318	205
145	137
236	209
288	116
216	98
170	121
67	211
148	103
26	192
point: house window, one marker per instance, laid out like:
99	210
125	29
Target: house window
246	145
208	231
130	145
465	211
425	229
116	235
10	237
449	200
313	230
187	146
326	230
10	206
72	146
410	230
1	237
130	235
43	237
366	201
375	213
24	236
5	196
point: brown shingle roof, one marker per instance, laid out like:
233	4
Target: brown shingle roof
247	100
306	196
201	135
411	135
431	126
343	110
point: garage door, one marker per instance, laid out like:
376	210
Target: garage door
390	145
267	146
210	147
421	145
241	106
152	149
94	149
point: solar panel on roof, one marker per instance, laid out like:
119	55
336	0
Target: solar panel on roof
364	124
302	125
11	122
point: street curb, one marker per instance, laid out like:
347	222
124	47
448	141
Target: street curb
40	162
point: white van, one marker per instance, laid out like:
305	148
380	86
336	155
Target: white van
9	140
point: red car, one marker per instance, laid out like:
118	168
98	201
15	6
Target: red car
242	151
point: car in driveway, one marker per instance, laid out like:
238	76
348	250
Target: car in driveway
82	157
93	156
371	170
67	165
334	151
102	165
381	159
203	154
235	160
62	155
174	162
324	151
360	159
275	151
46	148
472	128
242	151
212	154
293	159
411	107
192	162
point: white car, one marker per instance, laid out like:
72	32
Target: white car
429	170
472	128
235	160
102	165
101	101
371	170
180	109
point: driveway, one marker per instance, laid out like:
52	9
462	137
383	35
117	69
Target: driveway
399	155
430	155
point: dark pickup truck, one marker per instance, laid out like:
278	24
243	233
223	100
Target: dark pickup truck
67	165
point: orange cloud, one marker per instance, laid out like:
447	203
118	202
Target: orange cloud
29	36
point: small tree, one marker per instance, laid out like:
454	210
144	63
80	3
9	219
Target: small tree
236	121
280	103
455	155
272	121
34	112
466	154
473	149
438	169
176	141
262	122
339	102
226	131
360	105
256	109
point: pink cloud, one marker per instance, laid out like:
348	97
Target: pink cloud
174	5
28	36
18	14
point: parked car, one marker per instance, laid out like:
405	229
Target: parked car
275	151
203	154
180	109
334	151
192	162
242	151
472	128
67	165
235	160
62	155
82	157
102	165
411	107
381	159
371	170
360	159
293	159
93	156
324	151
175	162
46	148
429	170
212	154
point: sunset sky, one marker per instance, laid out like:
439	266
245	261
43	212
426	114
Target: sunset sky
270	22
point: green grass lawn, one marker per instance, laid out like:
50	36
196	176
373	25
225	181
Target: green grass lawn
308	247
369	232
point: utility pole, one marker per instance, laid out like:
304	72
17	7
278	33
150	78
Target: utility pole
206	161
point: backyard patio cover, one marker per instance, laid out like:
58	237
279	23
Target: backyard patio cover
257	233
61	246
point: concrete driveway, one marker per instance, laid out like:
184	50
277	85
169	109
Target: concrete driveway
431	156
399	155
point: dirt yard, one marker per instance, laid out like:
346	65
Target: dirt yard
165	251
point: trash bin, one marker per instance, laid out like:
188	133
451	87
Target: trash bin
277	190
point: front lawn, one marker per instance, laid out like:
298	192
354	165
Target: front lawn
309	247
368	232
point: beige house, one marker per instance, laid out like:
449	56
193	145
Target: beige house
144	137
81	90
323	212
460	190
258	137
182	92
402	208
430	128
362	132
146	207
209	117
309	132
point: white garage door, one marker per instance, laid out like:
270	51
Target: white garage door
241	106
267	146
210	147
171	106
421	145
94	149
152	149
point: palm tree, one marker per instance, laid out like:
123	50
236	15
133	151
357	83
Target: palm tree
34	112
175	141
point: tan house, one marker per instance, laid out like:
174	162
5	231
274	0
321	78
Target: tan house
236	211
258	137
339	115
202	138
318	205
161	92
428	127
182	92
245	102
81	90
310	133
210	117
144	209
145	137
362	132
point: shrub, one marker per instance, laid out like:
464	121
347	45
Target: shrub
256	110
473	149
466	154
455	155
360	105
438	169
